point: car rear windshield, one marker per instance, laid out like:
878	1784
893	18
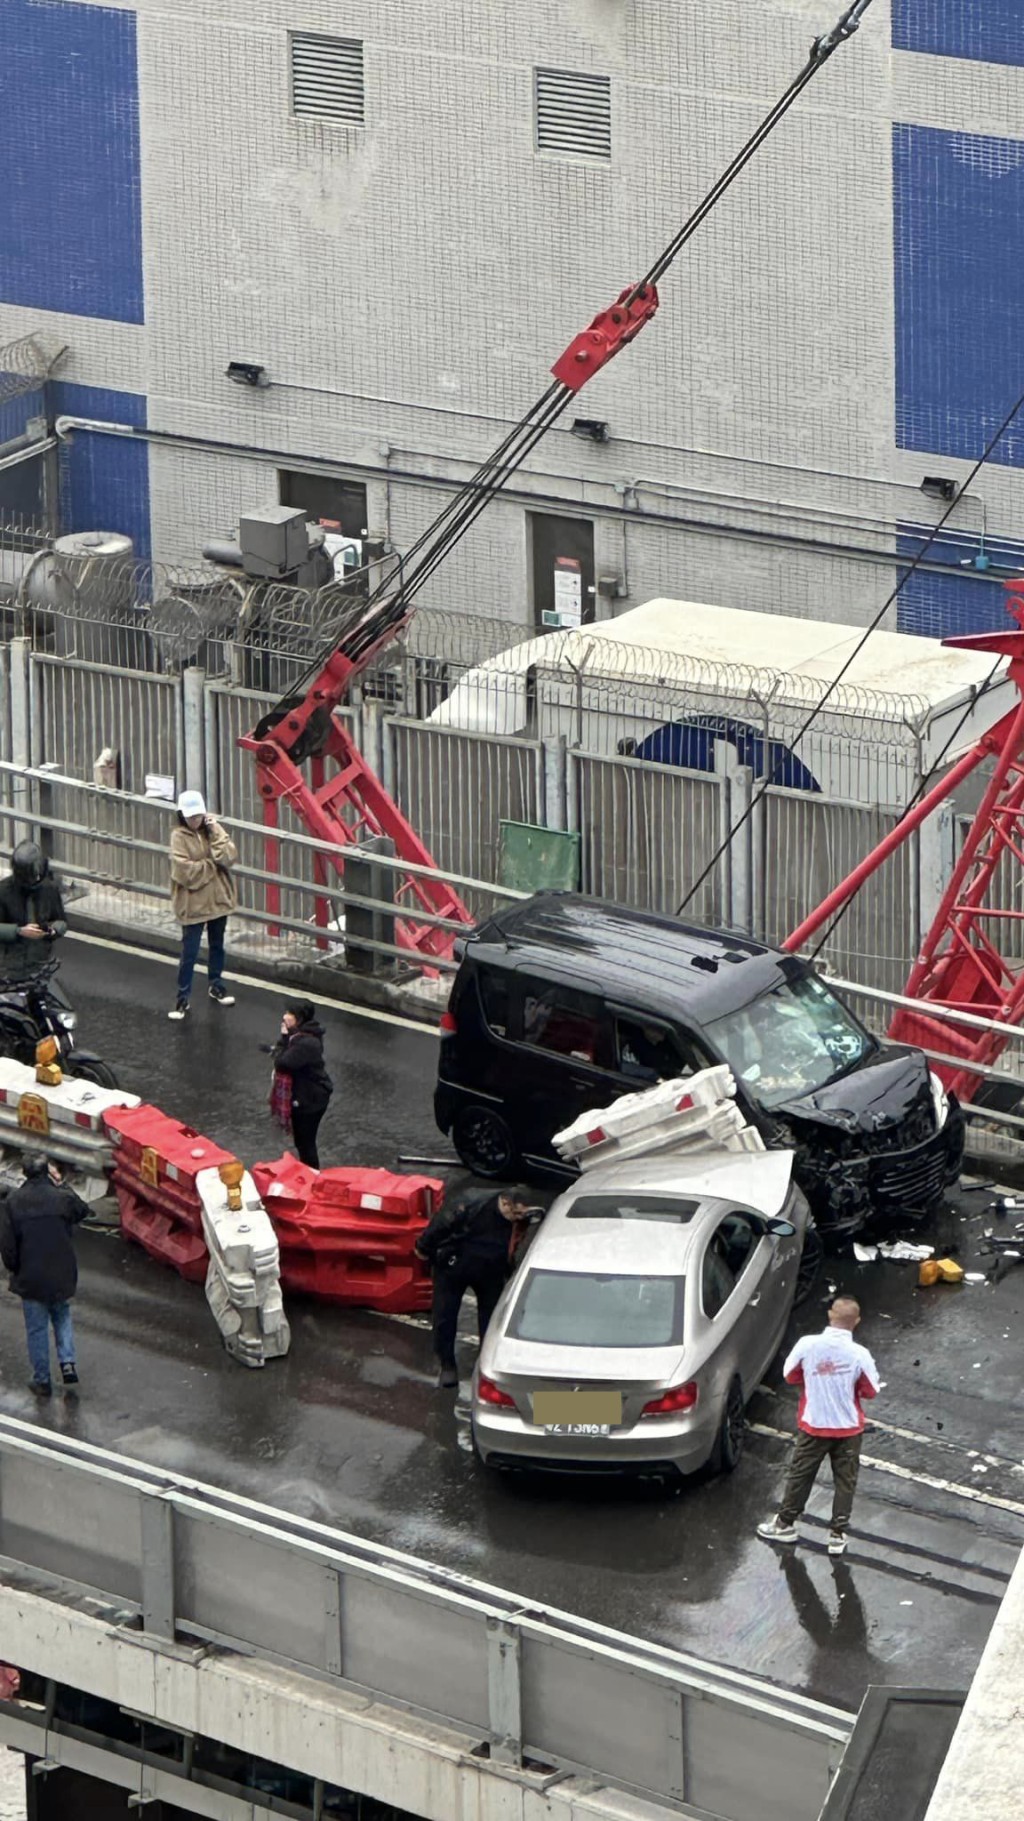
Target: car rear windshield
790	1041
633	1207
596	1309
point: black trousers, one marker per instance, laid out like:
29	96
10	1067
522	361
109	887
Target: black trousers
810	1451
487	1282
304	1130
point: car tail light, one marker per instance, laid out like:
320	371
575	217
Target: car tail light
449	1026
681	1397
490	1393
684	1103
597	1136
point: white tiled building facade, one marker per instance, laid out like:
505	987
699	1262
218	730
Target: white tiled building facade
406	281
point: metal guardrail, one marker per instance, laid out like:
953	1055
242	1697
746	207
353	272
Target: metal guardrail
522	1681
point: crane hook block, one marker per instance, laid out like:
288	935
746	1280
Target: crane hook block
609	331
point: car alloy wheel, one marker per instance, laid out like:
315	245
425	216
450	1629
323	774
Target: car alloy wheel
484	1142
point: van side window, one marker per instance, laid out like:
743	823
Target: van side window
555	1018
648	1052
493	990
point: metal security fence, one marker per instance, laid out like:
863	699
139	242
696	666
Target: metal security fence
806	845
456	788
648	832
181	1562
81	709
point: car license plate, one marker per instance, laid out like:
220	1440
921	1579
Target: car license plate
577	1412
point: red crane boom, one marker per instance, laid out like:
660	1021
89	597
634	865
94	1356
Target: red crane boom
346	804
962	965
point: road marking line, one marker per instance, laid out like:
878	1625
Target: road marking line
263	986
929	1441
973	1493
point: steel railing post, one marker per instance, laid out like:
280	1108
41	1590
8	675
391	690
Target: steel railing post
504	1690
157	1576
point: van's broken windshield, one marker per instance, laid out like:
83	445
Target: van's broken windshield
791	1040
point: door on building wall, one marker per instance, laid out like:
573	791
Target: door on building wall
326	500
562	560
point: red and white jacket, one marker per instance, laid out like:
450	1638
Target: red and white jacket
833	1373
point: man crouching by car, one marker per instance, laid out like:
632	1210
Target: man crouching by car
470	1246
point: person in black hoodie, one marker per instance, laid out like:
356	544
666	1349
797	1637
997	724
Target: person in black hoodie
37	1248
31	913
470	1246
302	1086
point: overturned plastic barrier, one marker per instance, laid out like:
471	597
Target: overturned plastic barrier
349	1235
156	1162
690	1113
243	1286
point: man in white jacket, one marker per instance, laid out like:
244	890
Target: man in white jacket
834	1373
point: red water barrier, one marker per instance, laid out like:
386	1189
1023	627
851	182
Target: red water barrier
162	1237
348	1235
156	1162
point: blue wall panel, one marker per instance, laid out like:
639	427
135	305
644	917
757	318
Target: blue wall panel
70	208
992	30
959	252
104	480
939	606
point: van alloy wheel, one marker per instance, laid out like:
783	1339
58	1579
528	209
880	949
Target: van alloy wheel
484	1142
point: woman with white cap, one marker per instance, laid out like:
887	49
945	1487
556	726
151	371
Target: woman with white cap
203	894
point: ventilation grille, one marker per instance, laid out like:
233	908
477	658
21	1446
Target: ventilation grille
574	114
327	78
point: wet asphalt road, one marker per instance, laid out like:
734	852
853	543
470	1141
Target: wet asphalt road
350	1430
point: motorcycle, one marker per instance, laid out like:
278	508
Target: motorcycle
31	1010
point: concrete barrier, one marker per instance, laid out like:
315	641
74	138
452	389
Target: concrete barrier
982	1773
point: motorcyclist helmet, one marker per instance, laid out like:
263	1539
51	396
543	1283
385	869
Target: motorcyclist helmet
29	863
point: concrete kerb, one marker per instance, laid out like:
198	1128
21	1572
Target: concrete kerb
981	1776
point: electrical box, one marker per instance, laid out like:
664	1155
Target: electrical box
274	541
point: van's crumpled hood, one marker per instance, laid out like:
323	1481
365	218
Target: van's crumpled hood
886	1089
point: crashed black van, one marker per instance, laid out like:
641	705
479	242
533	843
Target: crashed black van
562	1002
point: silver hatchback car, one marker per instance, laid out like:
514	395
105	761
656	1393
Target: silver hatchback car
649	1305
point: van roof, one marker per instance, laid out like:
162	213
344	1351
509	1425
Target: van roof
655	963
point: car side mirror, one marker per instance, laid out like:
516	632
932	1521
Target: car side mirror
780	1229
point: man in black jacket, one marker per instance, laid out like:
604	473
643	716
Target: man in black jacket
469	1247
31	913
36	1247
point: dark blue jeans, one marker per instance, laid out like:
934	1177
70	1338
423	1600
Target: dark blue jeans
38	1317
191	937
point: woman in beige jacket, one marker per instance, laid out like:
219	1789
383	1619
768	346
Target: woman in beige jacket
203	895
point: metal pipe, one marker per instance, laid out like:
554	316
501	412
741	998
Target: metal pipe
101	793
283	458
923	1005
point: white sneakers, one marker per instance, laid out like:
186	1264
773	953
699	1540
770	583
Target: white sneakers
775	1531
218	993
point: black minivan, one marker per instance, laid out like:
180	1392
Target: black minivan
561	1003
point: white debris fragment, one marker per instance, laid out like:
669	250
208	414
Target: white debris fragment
864	1254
